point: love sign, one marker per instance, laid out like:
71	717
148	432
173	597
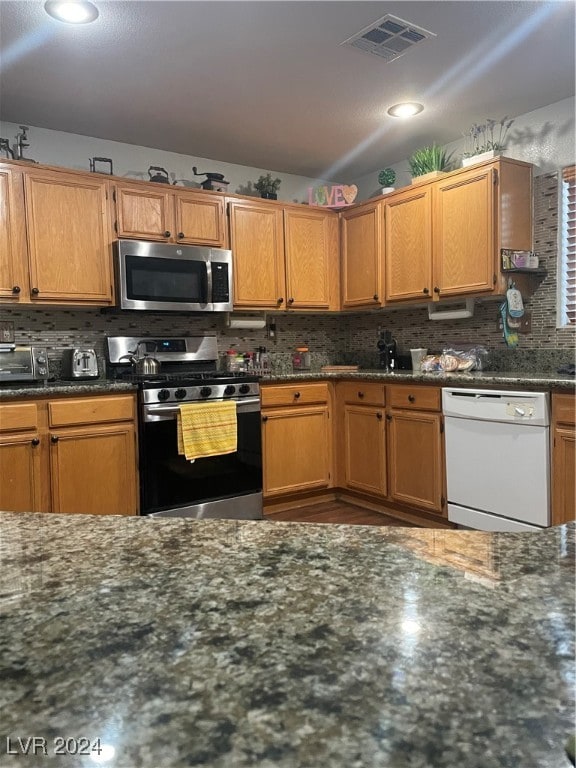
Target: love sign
336	196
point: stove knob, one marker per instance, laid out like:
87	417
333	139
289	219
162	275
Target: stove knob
179	394
205	392
164	394
229	390
244	389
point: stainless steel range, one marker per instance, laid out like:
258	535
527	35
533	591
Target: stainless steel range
225	486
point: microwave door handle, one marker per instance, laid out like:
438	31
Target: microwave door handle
208	282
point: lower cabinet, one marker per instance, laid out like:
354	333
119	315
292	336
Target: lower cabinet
415	447
69	455
563	458
296	438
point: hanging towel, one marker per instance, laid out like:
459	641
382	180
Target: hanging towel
207	429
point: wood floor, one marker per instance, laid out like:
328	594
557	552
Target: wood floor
334	512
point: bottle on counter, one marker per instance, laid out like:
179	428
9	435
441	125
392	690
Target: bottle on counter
301	359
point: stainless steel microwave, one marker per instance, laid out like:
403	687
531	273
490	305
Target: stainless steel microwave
174	278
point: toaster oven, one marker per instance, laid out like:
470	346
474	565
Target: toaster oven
23	363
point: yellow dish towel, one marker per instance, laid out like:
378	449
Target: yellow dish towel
207	429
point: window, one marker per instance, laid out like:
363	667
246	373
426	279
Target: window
567	260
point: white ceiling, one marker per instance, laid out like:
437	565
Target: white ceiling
268	84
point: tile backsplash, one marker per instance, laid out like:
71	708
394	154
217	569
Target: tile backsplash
336	338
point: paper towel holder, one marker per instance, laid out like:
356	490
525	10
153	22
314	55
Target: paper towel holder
463	310
245	322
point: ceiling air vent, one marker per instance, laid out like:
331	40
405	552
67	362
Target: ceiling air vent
389	37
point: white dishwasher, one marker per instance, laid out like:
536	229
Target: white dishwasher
497	459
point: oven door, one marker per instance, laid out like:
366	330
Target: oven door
227	486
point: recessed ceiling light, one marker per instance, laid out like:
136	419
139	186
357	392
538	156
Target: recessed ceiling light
71	11
405	109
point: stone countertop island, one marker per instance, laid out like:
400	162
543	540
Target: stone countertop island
239	644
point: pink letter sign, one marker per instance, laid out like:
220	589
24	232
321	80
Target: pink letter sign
335	196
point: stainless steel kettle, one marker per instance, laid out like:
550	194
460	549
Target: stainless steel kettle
145	365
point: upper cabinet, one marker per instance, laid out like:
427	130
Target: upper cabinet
284	257
157	212
443	238
362	264
55	247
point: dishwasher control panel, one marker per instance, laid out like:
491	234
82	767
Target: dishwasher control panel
497	405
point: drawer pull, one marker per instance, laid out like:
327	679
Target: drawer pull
54	438
360	394
411	399
425	290
379	416
296	395
291	300
280	300
35	291
180	235
167	233
264	418
375	297
16	289
35	441
388	417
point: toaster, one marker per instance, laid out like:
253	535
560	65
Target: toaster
79	363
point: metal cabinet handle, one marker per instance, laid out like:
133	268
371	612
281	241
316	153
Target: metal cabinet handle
167	234
54	438
296	395
425	290
360	394
379	416
375	297
388	417
291	300
411	399
264	418
35	441
280	300
181	235
436	289
16	289
35	291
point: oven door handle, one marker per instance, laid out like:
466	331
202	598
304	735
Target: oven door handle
248	405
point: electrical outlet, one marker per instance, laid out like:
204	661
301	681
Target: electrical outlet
6	332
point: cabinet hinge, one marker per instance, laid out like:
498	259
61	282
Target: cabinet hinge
494	279
116	226
495	175
114	195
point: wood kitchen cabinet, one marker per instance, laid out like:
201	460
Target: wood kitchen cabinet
284	257
55	243
362	437
416	466
156	212
443	238
563	458
361	233
296	438
74	455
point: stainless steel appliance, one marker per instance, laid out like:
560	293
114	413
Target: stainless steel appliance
79	363
173	278
226	486
497	459
20	362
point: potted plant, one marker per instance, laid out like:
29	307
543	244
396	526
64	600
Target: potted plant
428	162
387	179
487	140
268	187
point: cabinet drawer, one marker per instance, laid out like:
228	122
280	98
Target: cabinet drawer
419	398
362	392
90	410
294	394
18	416
563	409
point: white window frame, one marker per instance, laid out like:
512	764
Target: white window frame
566	254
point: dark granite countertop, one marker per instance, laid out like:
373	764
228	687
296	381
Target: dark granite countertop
229	644
80	387
485	379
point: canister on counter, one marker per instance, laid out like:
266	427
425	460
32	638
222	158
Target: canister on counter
301	359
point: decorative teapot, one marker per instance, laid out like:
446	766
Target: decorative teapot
144	365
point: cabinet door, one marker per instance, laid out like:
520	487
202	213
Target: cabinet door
69	238
93	470
365	449
563	475
362	256
144	213
311	252
465	233
415	459
199	219
408	244
296	450
257	241
20	482
13	273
